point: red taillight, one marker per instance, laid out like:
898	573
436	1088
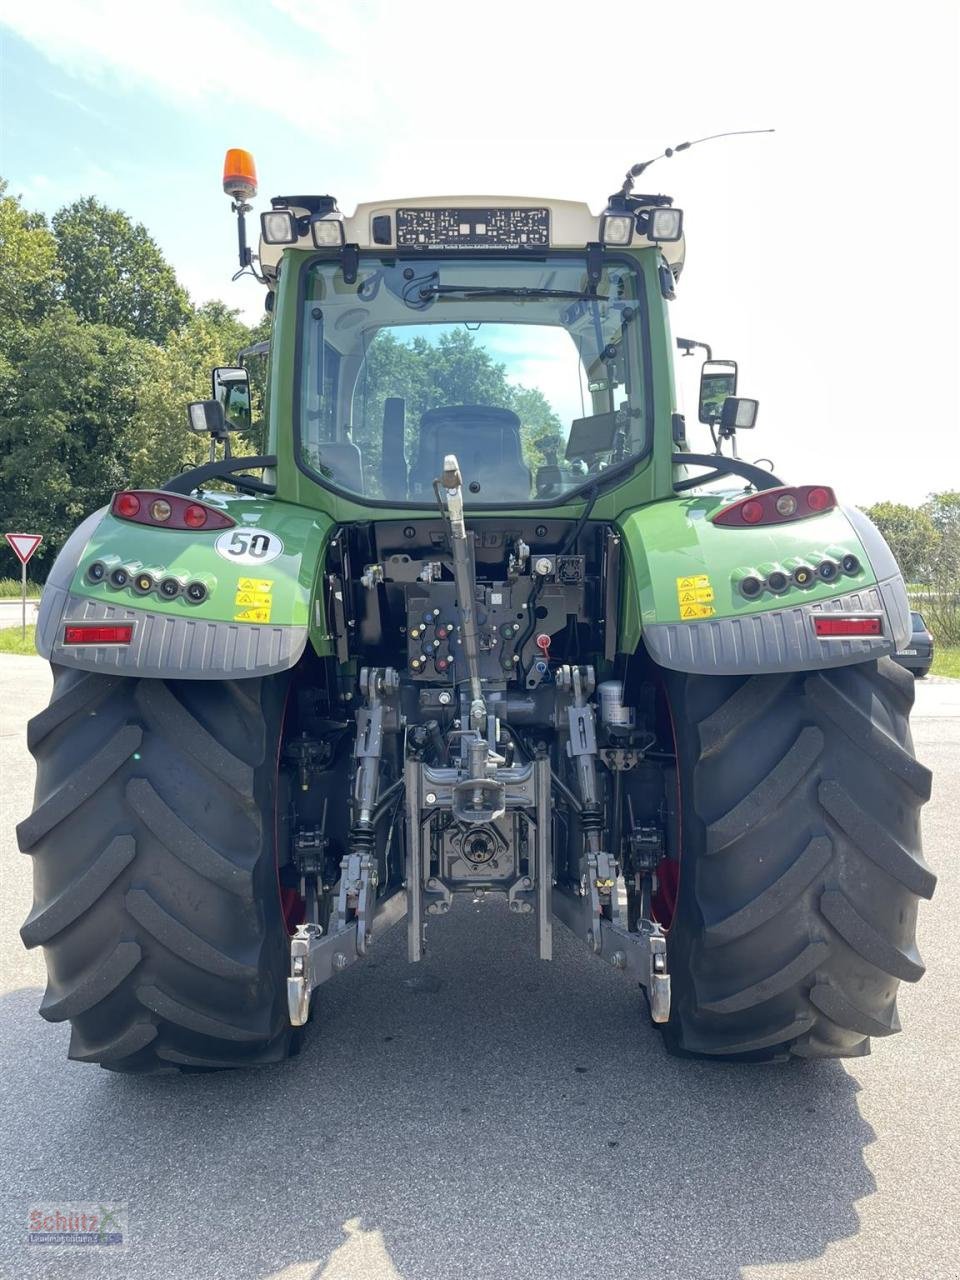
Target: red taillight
195	516
126	505
85	633
167	511
777	506
827	624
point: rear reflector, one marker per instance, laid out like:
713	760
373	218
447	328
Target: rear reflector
83	633
827	625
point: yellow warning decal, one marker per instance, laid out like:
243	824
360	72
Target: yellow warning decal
696	595
697	611
699	580
260	614
260	598
254	584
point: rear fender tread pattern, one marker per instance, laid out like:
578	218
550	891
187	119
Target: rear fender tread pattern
85	782
834	704
44	923
775	898
86	694
800	967
769	793
831	1001
859	934
746	705
130	1041
181	940
93	987
191	849
174	1011
169	716
877	843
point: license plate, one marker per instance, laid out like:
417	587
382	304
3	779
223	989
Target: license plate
909	653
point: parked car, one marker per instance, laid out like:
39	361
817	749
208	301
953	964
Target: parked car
918	656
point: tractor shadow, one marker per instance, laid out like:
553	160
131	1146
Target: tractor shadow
480	1115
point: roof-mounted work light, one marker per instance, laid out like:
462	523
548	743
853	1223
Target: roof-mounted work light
327	232
279	226
616	228
663	225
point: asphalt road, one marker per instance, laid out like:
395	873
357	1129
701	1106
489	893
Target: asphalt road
484	1115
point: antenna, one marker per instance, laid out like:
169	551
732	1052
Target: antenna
636	170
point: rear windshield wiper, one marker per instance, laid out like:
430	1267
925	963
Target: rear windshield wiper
421	293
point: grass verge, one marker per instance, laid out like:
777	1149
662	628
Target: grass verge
946	661
10	589
12	641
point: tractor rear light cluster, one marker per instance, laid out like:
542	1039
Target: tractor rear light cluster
97	633
777	506
829	626
167	511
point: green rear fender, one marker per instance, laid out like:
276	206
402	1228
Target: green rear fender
681	595
261	592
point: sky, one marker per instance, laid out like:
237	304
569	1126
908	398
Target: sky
822	257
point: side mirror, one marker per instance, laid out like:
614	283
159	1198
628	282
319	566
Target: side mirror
718	380
231	390
738	414
206	418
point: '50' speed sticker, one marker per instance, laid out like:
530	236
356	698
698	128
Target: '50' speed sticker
248	546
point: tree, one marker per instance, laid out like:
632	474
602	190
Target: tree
942	601
911	534
71	436
114	273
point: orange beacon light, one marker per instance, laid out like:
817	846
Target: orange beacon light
239	174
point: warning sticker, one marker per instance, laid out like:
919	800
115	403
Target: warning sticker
696	595
260	614
697	611
699	580
254	584
253	598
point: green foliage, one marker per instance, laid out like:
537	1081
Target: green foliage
946	661
926	543
114	274
910	534
100	352
10	589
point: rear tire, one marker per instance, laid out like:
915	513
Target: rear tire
801	866
155	889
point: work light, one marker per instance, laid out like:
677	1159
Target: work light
616	228
665	224
279	227
327	232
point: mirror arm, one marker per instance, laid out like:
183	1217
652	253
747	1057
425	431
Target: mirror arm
757	476
187	481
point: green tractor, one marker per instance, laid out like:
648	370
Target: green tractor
479	619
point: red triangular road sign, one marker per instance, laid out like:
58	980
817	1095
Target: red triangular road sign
24	544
